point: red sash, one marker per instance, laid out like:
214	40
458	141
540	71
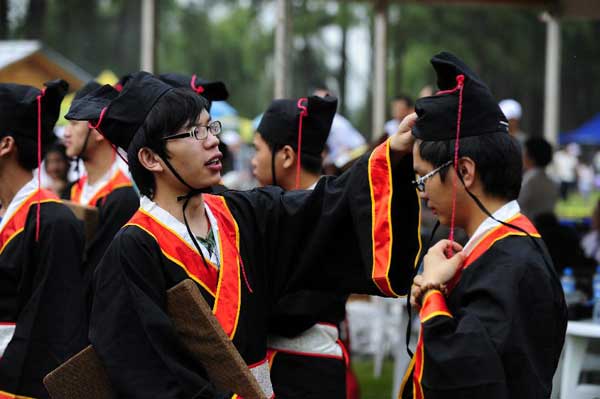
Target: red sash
437	305
491	237
222	283
118	180
16	223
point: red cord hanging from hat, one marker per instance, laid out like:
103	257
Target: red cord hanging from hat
303	114
97	128
198	89
39	163
460	82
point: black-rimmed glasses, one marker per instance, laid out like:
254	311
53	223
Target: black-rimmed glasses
199	132
420	182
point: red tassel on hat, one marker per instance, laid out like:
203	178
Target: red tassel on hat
303	114
39	162
460	82
197	89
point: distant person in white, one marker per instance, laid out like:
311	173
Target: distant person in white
343	138
591	241
513	112
400	107
565	168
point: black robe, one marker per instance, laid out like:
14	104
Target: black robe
41	290
500	332
304	375
116	201
271	243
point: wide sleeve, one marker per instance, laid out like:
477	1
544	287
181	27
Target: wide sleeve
130	329
358	232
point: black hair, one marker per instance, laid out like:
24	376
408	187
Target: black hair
27	149
539	151
171	112
60	149
403	97
312	163
497	157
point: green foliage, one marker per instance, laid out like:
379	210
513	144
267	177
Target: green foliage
230	40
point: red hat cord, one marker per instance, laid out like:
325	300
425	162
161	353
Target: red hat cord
460	80
97	127
39	162
303	114
197	89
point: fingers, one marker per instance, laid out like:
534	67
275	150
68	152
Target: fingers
457	259
442	246
415	292
418	280
407	123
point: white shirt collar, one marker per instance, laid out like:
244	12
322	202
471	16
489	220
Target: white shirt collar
90	190
312	186
506	212
179	228
21	195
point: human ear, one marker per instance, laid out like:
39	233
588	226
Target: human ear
289	156
467	170
150	160
7	145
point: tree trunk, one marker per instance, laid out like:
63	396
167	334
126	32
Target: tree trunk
3	19
34	21
342	74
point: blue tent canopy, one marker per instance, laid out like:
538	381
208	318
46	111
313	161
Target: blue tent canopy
586	134
219	109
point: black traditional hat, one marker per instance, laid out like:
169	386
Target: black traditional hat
86	89
212	91
19	106
119	115
29	113
463	100
303	124
122	82
281	122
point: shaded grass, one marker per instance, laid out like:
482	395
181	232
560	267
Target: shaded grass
371	387
575	207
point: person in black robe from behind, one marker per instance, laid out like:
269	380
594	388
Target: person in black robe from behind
493	315
43	320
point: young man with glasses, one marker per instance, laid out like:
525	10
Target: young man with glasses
339	236
493	316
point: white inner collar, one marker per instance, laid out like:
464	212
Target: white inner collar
90	190
507	211
179	228
21	195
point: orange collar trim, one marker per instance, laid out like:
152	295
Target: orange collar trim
118	180
223	283
16	223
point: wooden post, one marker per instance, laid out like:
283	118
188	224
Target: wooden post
379	66
147	53
282	50
552	79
